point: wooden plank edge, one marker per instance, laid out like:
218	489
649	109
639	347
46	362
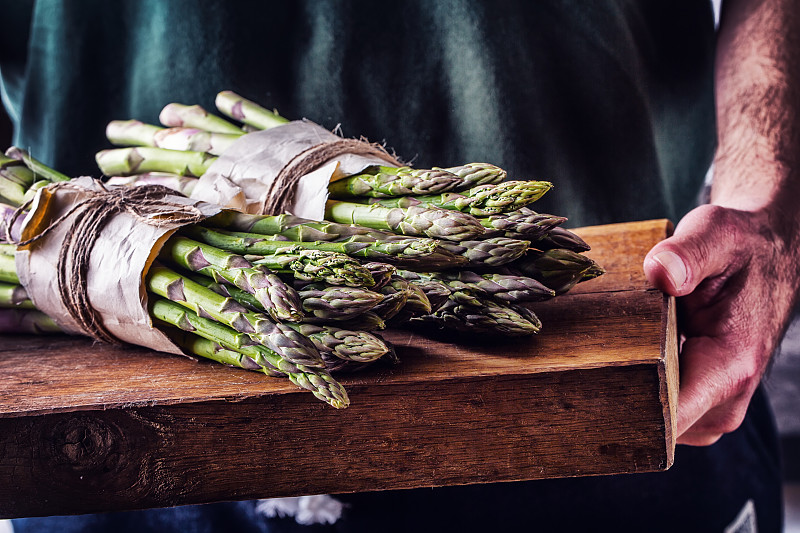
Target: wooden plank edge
669	375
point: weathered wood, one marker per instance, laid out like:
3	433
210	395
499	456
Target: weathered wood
86	427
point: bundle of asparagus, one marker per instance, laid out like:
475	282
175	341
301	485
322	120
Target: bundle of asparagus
461	231
219	305
457	247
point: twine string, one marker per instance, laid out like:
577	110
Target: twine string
281	191
146	203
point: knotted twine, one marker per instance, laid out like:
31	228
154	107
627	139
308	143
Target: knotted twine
285	169
148	204
280	193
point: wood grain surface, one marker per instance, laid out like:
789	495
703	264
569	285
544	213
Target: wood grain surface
87	427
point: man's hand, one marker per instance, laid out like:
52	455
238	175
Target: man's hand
734	264
737	277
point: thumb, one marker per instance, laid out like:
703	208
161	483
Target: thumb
702	246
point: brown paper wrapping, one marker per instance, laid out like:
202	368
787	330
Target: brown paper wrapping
242	175
119	262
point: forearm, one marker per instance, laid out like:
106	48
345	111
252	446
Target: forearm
757	78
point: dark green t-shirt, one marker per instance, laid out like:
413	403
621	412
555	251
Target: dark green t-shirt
609	99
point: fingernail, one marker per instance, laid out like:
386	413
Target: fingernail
674	266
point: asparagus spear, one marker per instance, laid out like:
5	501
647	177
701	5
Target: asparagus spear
247	112
481	201
138	160
489	252
381	273
358	346
194	116
487	318
313	377
381	181
14	296
522	224
437	292
396	295
316	265
409	251
207	304
18	321
337	303
330	265
417	304
558	269
278	299
193	139
474	174
16	171
414	220
131	133
562	238
11	192
507	289
39	169
8	269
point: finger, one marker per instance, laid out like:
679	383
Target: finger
703	246
716	386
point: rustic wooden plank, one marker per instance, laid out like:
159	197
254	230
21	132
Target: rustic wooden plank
397	435
86	428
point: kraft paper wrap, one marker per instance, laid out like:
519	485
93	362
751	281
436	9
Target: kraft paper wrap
122	254
242	176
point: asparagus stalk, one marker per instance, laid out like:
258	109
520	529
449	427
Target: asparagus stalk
207	304
562	238
39	169
194	116
276	298
139	160
417	304
558	269
313	378
408	252
337	303
480	201
316	265
381	181
330	265
367	321
131	133
18	321
396	294
381	273
474	174
15	170
358	346
487	318
522	224
247	112
193	139
414	220
14	296
8	269
508	289
437	292
11	192
489	252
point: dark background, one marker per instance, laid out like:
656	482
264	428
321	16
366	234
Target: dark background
5	129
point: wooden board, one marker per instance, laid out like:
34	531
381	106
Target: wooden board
87	427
